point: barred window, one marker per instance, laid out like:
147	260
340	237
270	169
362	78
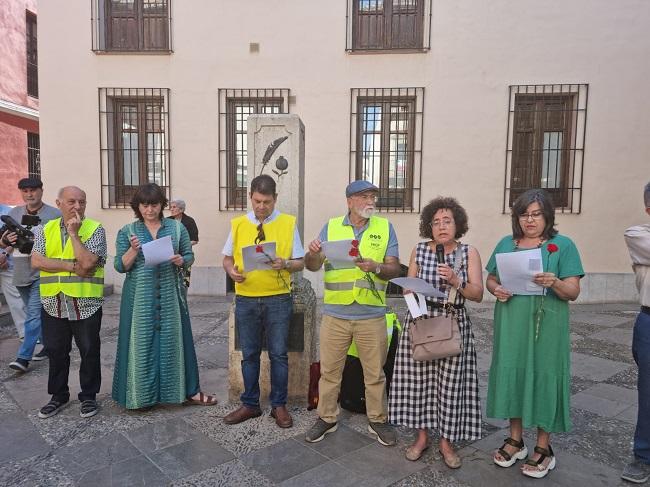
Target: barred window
32	55
388	25
33	155
545	146
386	144
131	25
235	105
134	142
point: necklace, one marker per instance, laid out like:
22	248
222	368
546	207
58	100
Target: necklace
540	243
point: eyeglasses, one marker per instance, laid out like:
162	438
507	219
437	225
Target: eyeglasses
260	234
367	196
439	223
535	215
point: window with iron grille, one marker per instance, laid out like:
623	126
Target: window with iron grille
235	105
32	55
131	25
545	146
386	144
388	25
33	155
134	142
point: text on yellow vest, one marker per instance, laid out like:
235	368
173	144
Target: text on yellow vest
345	286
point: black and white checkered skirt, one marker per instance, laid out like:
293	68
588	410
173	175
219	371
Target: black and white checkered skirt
441	394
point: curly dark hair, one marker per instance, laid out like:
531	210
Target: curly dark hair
148	194
443	203
522	203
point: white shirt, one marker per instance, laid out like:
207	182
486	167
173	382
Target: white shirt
638	243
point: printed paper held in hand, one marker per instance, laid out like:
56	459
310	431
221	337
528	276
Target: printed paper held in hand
418	285
417	304
338	253
258	261
158	251
516	271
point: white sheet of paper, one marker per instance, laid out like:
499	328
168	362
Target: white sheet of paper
257	261
516	271
338	253
418	285
413	305
417	304
158	251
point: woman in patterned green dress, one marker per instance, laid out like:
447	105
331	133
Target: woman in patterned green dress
155	360
530	371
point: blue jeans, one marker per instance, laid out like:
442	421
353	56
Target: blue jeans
641	352
253	317
32	298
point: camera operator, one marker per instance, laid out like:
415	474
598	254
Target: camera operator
26	279
12	296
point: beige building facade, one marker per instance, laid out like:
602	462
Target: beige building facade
477	100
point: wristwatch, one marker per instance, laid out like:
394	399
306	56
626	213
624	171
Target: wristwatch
378	269
286	264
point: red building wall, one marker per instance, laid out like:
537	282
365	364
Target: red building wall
13	89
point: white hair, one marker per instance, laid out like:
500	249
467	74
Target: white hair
179	203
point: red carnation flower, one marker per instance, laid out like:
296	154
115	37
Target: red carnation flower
259	249
355	243
354	252
552	248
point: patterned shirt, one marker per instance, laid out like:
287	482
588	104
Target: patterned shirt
62	306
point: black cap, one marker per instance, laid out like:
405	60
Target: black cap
30	183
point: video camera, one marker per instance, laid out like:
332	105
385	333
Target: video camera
25	240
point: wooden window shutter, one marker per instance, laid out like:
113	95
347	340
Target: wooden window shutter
523	147
404	23
122	24
154	25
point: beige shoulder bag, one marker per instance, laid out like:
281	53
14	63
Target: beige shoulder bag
439	336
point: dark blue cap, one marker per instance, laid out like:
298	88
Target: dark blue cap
359	186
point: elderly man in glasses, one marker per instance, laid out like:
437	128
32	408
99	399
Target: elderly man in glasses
355	308
263	301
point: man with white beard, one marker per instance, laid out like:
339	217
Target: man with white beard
354	309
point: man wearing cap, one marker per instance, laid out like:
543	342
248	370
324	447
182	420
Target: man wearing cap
70	253
354	309
25	278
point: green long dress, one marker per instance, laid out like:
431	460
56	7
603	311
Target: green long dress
530	378
155	360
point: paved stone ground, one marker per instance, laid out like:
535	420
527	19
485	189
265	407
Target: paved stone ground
183	446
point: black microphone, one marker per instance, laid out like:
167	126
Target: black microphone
440	256
440	253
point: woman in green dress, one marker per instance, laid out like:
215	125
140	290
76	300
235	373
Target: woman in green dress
155	360
530	371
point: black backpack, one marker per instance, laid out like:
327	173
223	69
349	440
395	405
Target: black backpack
353	391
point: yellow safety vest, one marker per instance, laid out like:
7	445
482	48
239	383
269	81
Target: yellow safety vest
345	286
391	322
68	283
263	282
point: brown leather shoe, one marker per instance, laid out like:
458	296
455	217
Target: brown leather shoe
242	414
282	417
